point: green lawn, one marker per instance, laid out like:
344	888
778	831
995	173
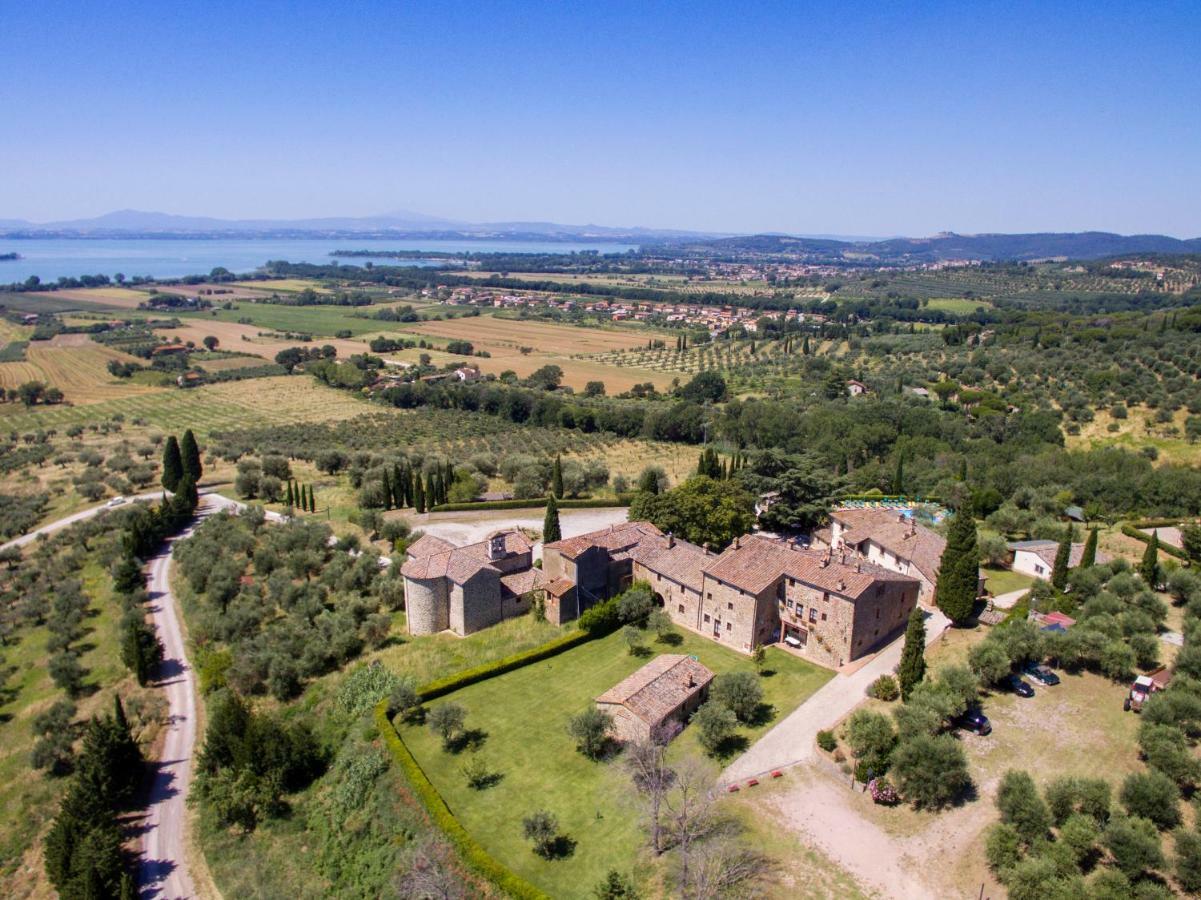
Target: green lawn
1002	581
960	306
324	321
525	714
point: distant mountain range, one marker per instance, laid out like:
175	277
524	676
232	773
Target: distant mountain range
401	224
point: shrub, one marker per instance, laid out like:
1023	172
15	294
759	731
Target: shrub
1080	834
1134	843
827	741
1188	860
541	828
871	738
931	772
739	692
1002	848
884	688
364	687
615	886
1152	796
602	618
883	792
714	723
989	661
591	731
447	720
1068	796
1021	806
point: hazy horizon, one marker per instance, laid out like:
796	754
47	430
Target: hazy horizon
801	119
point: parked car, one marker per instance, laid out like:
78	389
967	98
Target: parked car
1042	674
974	721
116	501
1018	685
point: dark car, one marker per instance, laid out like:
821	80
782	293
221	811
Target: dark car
974	721
1018	685
1042	674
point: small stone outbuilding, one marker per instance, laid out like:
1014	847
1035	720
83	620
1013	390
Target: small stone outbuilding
667	690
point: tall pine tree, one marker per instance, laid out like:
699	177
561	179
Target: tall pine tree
1089	557
550	524
1149	567
1063	558
172	464
959	569
190	455
912	668
556	477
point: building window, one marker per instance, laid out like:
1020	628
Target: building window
1039	569
710	595
823	616
813	614
792	582
729	626
729	605
825	597
788	603
681	607
706	617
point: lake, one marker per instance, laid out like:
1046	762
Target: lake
53	258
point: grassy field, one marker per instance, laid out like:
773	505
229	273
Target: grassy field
1002	581
525	714
533	333
323	321
1138	432
960	306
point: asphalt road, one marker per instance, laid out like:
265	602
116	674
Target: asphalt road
72	519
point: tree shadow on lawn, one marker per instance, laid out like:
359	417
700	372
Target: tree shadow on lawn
492	779
561	847
764	713
470	739
731	746
672	639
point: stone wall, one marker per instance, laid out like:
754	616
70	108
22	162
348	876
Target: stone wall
475	604
427	609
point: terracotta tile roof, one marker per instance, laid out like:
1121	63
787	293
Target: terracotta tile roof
427	545
459	564
614	538
560	586
908	540
757	562
682	562
523	582
657	689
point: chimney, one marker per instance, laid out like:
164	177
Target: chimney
671	540
496	546
842	585
737	542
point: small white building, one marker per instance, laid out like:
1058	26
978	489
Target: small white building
1037	558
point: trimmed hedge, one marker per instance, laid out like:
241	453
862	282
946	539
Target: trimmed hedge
1131	531
533	502
469	850
444	686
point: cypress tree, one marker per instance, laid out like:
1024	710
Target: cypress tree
386	490
172	464
959	569
398	487
291	496
1063	556
805	346
1149	567
898	477
1089	557
190	455
550	524
419	502
556	477
431	496
912	668
312	500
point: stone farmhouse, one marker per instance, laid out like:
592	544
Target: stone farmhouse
657	699
889	539
1037	558
464	589
760	590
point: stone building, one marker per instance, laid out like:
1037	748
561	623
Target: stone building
464	589
832	608
889	538
656	700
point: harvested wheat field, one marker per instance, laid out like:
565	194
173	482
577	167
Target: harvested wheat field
78	370
238	338
488	331
119	297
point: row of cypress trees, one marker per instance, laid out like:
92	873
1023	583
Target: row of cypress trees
180	458
713	466
404	487
300	496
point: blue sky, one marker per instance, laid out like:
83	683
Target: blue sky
870	119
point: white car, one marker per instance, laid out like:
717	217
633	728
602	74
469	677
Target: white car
116	501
